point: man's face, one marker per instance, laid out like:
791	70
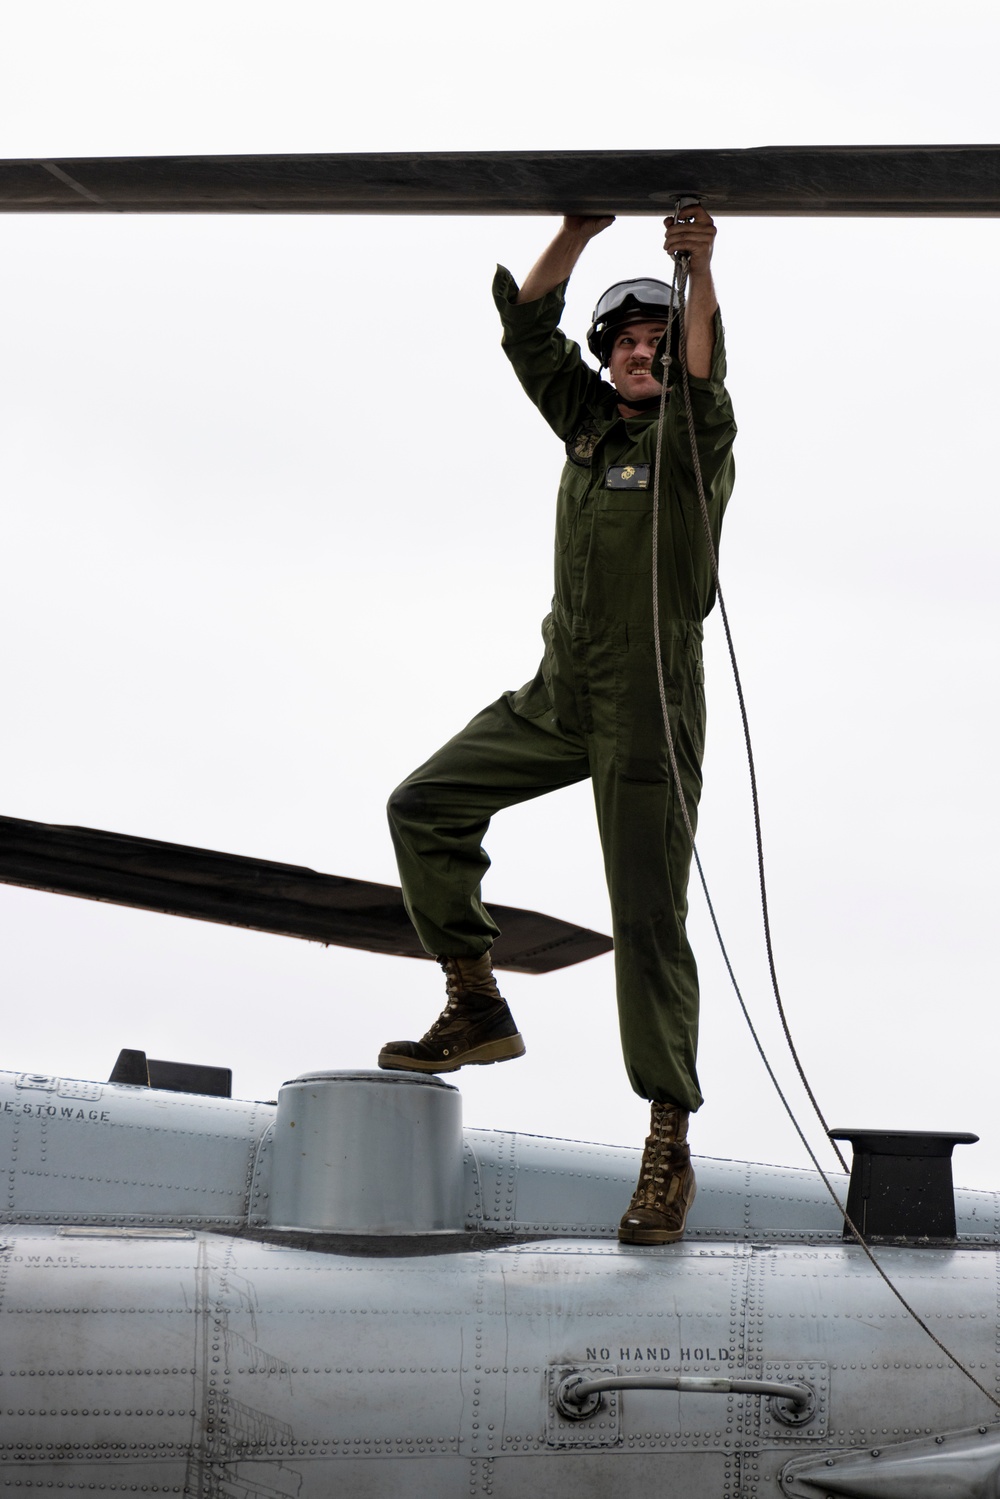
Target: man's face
631	361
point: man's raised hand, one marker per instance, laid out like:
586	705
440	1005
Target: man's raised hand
693	234
587	224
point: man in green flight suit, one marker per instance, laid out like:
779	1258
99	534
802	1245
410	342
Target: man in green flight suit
593	709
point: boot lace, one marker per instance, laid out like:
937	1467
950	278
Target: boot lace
450	1014
665	1160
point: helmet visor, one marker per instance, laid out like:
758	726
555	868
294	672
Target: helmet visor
647	295
627	302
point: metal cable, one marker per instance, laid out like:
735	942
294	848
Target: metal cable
679	283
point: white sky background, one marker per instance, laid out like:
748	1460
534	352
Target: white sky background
277	521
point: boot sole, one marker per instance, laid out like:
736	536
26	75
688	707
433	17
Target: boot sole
649	1235
656	1235
506	1050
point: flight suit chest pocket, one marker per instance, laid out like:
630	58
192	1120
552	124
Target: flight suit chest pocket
627	486
623	521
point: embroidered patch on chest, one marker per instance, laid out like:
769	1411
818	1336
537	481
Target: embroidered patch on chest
627	476
580	447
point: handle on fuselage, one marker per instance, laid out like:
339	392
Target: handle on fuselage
578	1397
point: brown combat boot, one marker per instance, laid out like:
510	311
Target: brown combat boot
660	1202
474	1028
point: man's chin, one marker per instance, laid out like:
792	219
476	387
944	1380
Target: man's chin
639	390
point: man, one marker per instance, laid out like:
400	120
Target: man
593	709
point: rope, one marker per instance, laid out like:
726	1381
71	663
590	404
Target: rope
680	280
679	284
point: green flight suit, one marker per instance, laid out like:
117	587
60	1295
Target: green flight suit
593	708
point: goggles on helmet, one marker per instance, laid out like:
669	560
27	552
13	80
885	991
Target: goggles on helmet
627	302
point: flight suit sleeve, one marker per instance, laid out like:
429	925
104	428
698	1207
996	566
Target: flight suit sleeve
715	430
550	366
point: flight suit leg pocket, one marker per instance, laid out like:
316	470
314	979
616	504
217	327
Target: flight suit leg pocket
640	738
533	699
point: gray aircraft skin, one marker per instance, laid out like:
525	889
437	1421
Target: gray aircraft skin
348	1293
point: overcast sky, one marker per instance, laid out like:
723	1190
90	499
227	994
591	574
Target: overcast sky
277	521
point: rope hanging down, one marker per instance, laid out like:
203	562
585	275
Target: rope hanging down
678	301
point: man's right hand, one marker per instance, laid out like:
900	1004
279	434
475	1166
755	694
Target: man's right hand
587	224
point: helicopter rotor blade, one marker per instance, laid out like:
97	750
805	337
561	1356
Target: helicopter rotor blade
866	181
286	899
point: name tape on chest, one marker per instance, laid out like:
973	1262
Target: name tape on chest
627	476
